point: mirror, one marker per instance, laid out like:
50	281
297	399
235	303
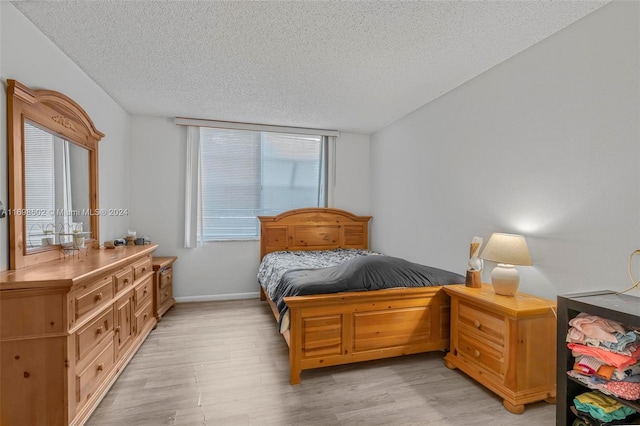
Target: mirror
56	187
53	176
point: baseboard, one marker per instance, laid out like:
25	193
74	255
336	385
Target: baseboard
215	297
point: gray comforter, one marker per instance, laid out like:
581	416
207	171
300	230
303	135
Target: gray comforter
361	274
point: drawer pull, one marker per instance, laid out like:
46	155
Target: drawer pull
100	367
144	291
166	294
144	269
99	296
125	281
144	318
118	329
477	323
476	353
99	330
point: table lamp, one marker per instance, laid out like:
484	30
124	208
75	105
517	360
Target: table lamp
506	250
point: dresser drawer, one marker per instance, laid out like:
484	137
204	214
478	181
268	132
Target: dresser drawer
143	292
165	293
91	296
484	355
166	278
141	267
142	317
481	323
93	375
90	336
123	278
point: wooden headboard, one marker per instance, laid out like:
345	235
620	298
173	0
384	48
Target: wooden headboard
313	229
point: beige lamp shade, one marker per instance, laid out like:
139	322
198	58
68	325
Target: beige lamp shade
507	250
510	249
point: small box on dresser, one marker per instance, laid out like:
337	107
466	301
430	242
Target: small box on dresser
163	284
506	343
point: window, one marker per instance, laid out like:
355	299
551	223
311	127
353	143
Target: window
244	174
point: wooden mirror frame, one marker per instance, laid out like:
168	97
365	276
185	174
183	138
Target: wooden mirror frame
59	115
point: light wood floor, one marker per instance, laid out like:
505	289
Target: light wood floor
224	363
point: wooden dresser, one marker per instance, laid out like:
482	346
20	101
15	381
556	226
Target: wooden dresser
68	328
506	343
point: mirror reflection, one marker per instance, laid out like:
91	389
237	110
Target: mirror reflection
56	177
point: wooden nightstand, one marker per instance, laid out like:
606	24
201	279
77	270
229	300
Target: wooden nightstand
163	285
507	344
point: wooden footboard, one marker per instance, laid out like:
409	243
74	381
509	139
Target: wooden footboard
343	328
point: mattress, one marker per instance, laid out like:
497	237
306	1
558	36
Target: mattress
296	273
275	265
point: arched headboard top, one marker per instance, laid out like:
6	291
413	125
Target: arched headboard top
314	228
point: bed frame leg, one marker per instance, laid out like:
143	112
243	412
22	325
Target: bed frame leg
263	296
295	345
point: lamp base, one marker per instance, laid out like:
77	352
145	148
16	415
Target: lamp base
505	279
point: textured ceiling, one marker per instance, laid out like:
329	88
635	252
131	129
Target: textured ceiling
350	66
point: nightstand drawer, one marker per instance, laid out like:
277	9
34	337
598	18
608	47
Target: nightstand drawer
166	278
484	355
481	323
164	295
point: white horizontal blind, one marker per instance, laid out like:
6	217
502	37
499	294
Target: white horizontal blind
245	174
39	182
230	178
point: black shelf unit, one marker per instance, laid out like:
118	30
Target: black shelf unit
606	304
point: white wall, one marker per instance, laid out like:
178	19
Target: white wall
28	56
147	175
351	191
545	144
223	269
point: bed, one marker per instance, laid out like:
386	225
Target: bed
347	327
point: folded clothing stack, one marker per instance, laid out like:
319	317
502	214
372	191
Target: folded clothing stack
606	355
601	407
